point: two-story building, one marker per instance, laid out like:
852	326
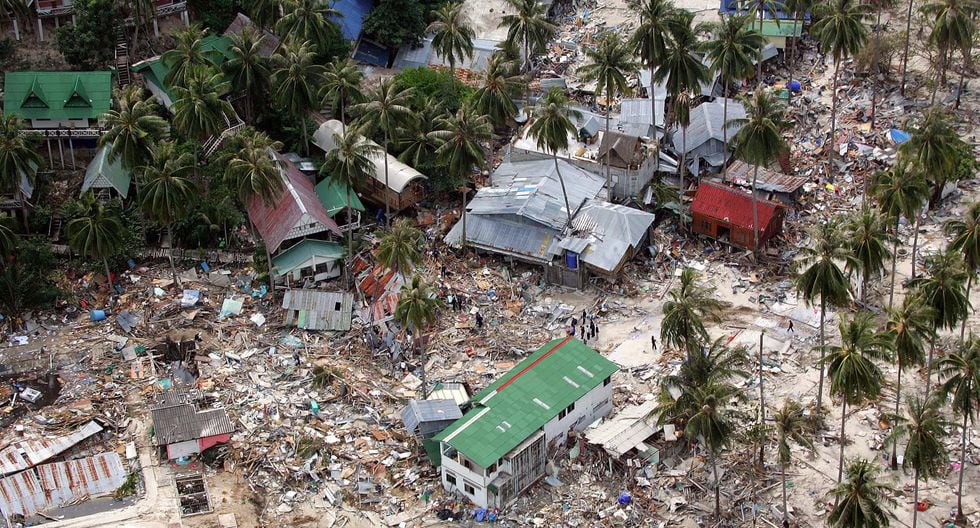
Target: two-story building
499	447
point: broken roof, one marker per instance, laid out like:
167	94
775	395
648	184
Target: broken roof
640	111
628	429
60	484
522	401
626	149
510	237
319	310
399	174
334	196
24	454
707	120
302	253
57	94
101	174
614	229
182	422
425	56
730	205
741	173
424	411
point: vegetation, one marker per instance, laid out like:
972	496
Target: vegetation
399	250
397	23
943	290
88	44
863	501
959	374
923	428
416	310
452	35
550	130
688	306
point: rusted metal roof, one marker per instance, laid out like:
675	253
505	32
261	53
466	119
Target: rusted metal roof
318	310
731	206
298	211
237	27
19	456
61	483
740	173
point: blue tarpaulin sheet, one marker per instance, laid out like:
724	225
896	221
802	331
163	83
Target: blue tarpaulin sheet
353	12
898	136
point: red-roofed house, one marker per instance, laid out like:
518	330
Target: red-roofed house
725	213
297	213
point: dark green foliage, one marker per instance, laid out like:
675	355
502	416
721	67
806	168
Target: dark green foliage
394	23
6	51
215	14
24	284
90	42
435	84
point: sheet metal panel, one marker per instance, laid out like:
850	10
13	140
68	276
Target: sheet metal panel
61	483
28	453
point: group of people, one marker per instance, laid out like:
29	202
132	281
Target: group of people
586	328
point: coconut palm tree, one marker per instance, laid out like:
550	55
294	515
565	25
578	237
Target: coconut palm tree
952	29
186	56
251	171
309	21
933	147
959	373
736	44
263	12
399	249
868	240
712	422
679	70
924	427
863	501
296	80
416	310
247	69
682	116
386	110
341	88
500	84
799	9
610	65
965	236
841	32
760	140
908	329
649	41
551	128
688	306
528	28
452	35
97	233
18	153
854	376
200	109
419	138
943	289
791	424
166	189
901	191
132	127
819	275
347	165
460	137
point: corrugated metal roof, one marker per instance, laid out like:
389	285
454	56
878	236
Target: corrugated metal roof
61	484
57	94
503	235
399	174
21	455
179	423
352	15
101	174
731	205
508	411
302	253
240	22
640	111
614	228
707	120
710	88
740	173
334	197
422	411
319	310
298	211
424	56
626	430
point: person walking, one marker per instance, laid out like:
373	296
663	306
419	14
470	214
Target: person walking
653	342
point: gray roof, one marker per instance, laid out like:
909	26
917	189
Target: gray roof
707	120
614	228
504	235
424	411
639	111
318	310
769	51
741	173
591	122
179	423
424	55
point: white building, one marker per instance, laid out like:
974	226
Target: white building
499	447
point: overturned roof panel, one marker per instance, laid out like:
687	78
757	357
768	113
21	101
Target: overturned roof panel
628	429
60	484
741	173
528	241
319	310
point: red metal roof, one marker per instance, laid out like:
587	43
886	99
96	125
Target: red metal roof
731	205
298	196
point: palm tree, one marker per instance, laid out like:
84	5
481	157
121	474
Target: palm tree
252	172
500	83
15	10
309	21
453	35
681	71
682	116
908	328
348	164
386	109
399	250
965	235
649	42
247	69
952	28
933	147
868	241
341	87
944	290
459	137
736	44
924	427
528	28
685	311
97	233
420	138
791	424
263	12
799	9
862	500
18	153
416	309
295	80
200	110
551	128
713	423
760	140
132	128
960	372
854	376
187	56
610	66
823	278
901	191
166	189
841	32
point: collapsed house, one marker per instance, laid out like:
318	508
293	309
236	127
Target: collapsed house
500	446
769	184
724	213
522	216
181	430
318	310
705	138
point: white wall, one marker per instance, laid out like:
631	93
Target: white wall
479	482
60	123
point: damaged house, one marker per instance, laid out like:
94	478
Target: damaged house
769	185
522	216
182	430
705	141
725	213
500	446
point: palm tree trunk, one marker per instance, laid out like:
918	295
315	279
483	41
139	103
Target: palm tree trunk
681	186
724	136
969	284
898	403
915	241
782	473
418	338
932	350
343	120
891	291
108	276
564	194
915	500
387	201
905	54
350	243
173	267
959	86
833	119
609	143
758	65
653	110
843	422
823	312
959	489
463	214
942	75
714	471
796	43
864	286
755	212
762	404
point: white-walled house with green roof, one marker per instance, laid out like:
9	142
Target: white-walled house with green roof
499	447
105	178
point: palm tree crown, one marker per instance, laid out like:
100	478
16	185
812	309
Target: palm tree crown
551	128
399	250
18	153
864	501
453	39
132	128
187	56
500	84
420	138
841	29
736	46
347	165
868	240
247	69
310	21
460	138
341	86
960	376
97	233
944	288
680	70
417	307
528	28
688	306
252	172
200	109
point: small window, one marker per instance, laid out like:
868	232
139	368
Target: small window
607	381
336	306
469	489
451	478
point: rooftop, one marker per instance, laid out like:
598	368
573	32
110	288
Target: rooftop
740	173
399	174
101	174
57	94
731	205
320	310
305	251
519	403
707	120
182	422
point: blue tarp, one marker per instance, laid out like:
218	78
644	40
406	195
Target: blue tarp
898	136
353	12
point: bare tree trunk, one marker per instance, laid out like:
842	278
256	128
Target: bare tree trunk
840	461
891	292
564	194
959	490
932	351
755	213
915	241
173	268
898	403
350	246
969	285
762	404
796	44
714	471
108	275
942	76
905	54
387	201
724	135
959	86
653	109
683	166
782	472
758	66
833	120
418	333
609	144
823	313
915	501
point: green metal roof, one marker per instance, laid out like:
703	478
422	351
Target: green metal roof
57	94
785	28
303	251
333	196
512	408
216	47
101	174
